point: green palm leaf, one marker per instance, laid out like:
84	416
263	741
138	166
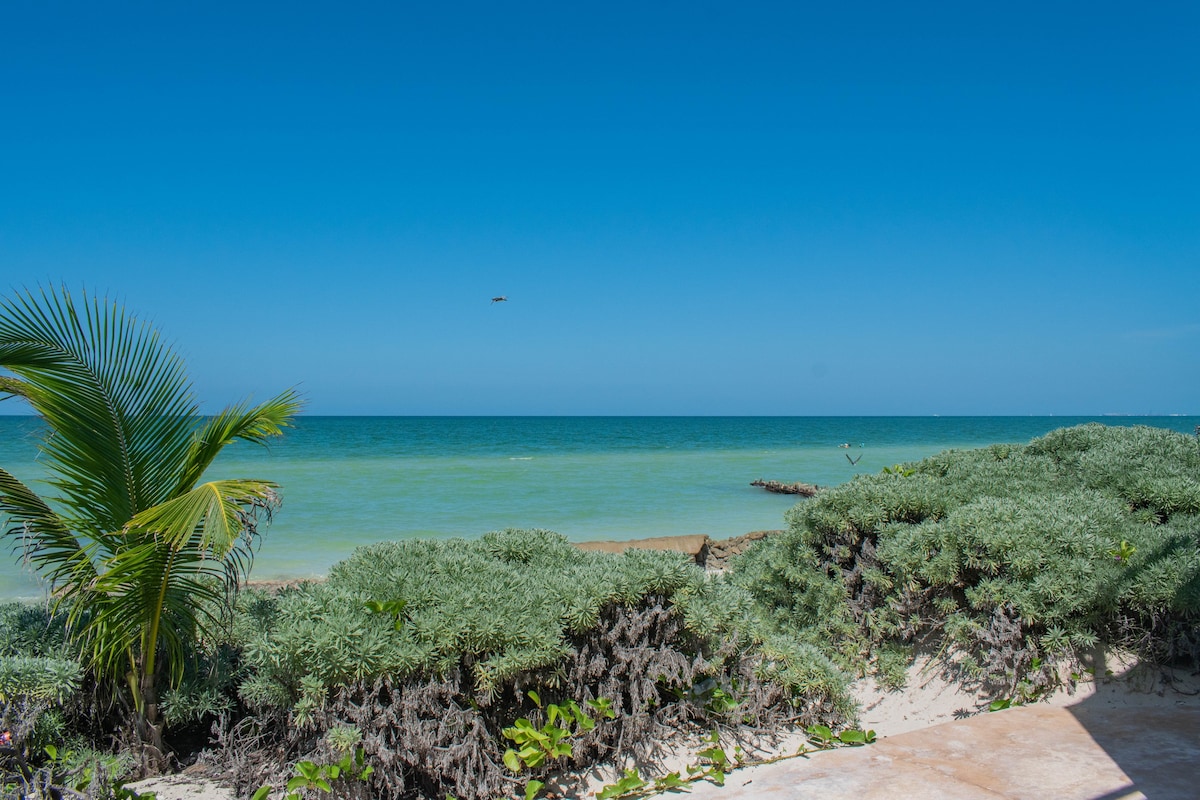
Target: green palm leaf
240	422
215	511
151	600
42	537
118	404
136	547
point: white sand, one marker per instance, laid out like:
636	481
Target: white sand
183	787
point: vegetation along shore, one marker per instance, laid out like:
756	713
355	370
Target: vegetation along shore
511	665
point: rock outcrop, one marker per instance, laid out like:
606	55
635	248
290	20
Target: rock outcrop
708	553
695	545
775	487
720	552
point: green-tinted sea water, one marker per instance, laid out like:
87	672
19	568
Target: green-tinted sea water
351	481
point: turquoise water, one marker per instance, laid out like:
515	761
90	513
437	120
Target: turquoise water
350	481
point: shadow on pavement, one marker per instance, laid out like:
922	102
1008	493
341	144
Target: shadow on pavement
1156	744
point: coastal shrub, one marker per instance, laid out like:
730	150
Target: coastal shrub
30	677
28	629
1014	555
472	627
36	662
52	711
40	676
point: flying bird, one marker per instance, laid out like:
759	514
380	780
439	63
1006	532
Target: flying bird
501	299
852	461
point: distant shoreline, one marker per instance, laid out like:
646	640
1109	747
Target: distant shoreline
710	554
349	482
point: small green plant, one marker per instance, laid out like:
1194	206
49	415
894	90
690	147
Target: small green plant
672	780
632	784
856	738
536	746
393	608
710	696
343	739
1122	552
312	700
603	707
899	469
714	762
629	785
79	778
721	702
309	775
822	737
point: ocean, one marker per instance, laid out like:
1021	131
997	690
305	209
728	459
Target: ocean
352	481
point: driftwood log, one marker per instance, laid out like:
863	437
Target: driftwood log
775	487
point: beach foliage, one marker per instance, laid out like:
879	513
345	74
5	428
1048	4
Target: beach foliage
465	662
36	663
1013	557
136	545
41	683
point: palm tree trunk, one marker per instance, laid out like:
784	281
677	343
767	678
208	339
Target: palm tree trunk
150	726
147	724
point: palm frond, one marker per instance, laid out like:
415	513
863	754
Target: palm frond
42	537
210	518
255	424
118	405
11	387
173	588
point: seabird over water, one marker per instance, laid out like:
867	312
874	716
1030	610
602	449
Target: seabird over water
501	299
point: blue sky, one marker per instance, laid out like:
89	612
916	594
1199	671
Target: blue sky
694	208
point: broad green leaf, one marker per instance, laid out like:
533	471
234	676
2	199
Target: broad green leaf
672	780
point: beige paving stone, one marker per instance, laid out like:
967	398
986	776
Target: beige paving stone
1032	752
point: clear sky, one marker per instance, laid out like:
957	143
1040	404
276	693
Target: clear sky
693	208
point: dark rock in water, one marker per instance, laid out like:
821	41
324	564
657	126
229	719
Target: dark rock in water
775	487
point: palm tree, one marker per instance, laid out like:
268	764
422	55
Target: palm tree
135	548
